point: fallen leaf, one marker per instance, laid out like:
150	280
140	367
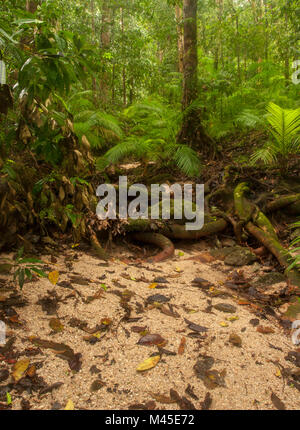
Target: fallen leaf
235	339
153	285
20	368
189	390
233	318
148	364
69	406
223	324
152	339
181	347
31	371
161	398
53	277
277	402
56	325
265	330
138	329
225	307
278	373
206	404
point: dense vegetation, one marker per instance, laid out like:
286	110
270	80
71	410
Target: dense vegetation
189	89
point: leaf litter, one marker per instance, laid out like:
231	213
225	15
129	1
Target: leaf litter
169	370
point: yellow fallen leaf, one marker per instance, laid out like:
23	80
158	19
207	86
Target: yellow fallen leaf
69	406
98	334
148	364
234	318
143	333
75	245
180	254
20	368
178	270
153	285
53	277
223	324
278	373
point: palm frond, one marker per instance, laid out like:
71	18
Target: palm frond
267	155
186	159
285	123
250	119
285	128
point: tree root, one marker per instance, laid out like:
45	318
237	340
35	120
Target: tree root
282	202
261	228
159	240
98	248
176	231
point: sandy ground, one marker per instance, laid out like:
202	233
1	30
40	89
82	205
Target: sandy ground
252	371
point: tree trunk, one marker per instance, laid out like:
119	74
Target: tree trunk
180	40
124	78
31	5
94	82
192	132
105	44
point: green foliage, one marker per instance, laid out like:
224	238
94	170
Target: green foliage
24	268
153	127
295	247
99	127
285	129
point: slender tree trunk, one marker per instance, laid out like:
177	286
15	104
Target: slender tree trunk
31	5
287	55
180	40
192	132
238	47
105	44
220	36
94	82
124	67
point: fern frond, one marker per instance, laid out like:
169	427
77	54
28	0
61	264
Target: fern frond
267	155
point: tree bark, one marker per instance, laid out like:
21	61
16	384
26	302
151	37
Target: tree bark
192	132
31	5
105	44
180	40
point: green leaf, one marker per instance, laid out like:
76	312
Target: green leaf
8	399
38	271
28	274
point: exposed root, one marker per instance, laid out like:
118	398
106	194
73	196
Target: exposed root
282	202
159	240
176	231
262	229
98	248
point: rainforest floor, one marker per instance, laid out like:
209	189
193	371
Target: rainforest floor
206	329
